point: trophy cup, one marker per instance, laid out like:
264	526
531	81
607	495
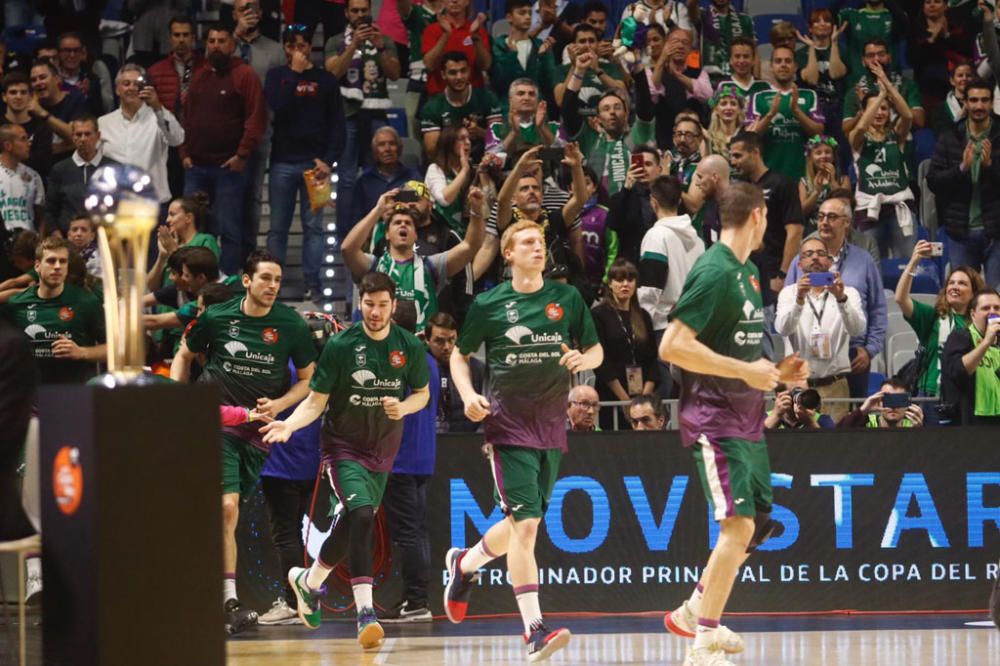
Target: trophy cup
122	202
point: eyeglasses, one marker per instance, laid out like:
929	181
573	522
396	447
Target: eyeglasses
586	404
828	216
822	254
686	135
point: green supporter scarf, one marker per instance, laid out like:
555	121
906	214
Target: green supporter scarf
976	204
412	284
987	382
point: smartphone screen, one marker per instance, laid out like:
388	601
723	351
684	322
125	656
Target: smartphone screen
821	279
638	162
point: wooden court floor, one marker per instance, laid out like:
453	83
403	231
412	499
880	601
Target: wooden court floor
839	641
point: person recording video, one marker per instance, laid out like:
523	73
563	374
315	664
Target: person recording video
889	407
970	366
798	409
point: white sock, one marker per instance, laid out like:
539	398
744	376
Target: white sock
362	593
476	558
33	566
228	588
527	603
704	635
317	575
694	603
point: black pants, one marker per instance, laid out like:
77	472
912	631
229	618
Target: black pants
405	504
287	501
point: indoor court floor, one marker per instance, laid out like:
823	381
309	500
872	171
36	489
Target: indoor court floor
841	640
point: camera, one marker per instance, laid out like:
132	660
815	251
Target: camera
806	398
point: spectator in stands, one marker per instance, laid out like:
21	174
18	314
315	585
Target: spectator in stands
599	75
416	17
728	106
21	255
687	138
519	55
783	34
61	105
877	59
67	183
187	218
719	26
675	78
952	109
453	31
784	216
22	108
450	175
387	173
308	124
821	67
440	335
798	409
224	120
987	54
625	329
741	64
600	241
141	130
874	414
191	268
710	180
630	211
882	21
582	411
970	364
460	104
822	176
74	71
526	123
363	60
607	144
22	194
785	117
934	323
883	196
82	235
418	279
964	176
645	412
857	269
822	333
940	37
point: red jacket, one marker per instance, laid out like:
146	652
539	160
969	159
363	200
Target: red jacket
168	83
223	115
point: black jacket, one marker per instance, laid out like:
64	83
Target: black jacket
958	387
66	190
631	215
953	189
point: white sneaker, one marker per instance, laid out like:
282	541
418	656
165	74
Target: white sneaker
682	622
706	657
280	613
33	589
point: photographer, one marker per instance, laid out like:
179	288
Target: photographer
798	409
818	315
971	364
889	408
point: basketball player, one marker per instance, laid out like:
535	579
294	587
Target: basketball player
714	337
365	374
528	326
248	342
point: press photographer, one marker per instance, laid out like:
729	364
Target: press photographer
971	364
798	409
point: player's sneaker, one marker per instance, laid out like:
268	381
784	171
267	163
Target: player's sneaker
33	589
306	599
543	643
459	587
280	613
405	613
706	657
682	622
238	618
370	632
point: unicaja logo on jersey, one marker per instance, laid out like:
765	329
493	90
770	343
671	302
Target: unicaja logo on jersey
517	333
554	311
397	359
235	348
66	313
362	377
269	335
34	331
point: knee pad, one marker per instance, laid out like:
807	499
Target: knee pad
764	529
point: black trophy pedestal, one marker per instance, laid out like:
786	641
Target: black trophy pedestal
131	526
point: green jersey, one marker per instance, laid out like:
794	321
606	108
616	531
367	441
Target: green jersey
881	166
527	388
481	106
932	332
784	139
420	17
718	31
862	25
721	302
205	240
248	356
609	158
905	85
357	372
521	61
75	314
755	86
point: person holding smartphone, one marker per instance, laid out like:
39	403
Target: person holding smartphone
970	364
818	315
889	407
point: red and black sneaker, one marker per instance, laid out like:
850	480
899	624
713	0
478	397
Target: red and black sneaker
543	643
459	587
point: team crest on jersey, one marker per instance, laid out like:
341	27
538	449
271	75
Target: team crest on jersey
32	315
397	359
66	313
269	335
554	311
755	283
511	312
360	358
234	331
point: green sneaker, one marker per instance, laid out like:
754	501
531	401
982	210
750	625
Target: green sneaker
308	600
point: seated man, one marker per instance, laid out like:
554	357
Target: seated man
645	412
582	411
798	409
890	407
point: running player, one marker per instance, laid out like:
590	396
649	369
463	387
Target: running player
365	374
248	342
714	337
529	326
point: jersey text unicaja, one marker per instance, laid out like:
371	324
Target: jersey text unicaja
528	390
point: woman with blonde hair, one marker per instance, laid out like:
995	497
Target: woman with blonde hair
728	106
822	177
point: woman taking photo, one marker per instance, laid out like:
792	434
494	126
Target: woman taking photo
626	333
